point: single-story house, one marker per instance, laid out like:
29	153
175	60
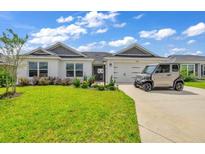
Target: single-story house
193	64
60	60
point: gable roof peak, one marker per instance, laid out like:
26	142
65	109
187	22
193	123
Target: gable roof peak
141	49
40	49
60	44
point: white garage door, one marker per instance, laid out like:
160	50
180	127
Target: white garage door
126	72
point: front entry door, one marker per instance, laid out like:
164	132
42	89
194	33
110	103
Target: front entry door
98	72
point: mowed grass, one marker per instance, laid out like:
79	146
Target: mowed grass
67	114
197	84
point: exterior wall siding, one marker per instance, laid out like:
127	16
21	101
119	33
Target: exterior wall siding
56	68
23	70
87	67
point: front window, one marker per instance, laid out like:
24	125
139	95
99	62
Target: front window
149	69
33	69
39	69
43	69
79	70
70	70
191	69
163	69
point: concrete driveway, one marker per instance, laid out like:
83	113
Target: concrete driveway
168	115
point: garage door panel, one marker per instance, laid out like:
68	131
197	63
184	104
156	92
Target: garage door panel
126	72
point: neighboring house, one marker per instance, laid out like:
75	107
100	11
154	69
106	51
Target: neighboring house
191	63
62	61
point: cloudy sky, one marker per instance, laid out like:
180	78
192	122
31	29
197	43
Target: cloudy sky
163	33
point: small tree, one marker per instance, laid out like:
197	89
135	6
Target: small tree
11	45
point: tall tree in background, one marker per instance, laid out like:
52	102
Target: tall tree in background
11	45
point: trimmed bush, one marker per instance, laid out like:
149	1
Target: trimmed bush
52	80
23	81
57	81
112	81
112	88
35	80
85	78
5	77
44	81
95	86
66	82
189	78
84	85
101	87
91	80
76	82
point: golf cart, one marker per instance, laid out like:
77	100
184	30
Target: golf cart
160	75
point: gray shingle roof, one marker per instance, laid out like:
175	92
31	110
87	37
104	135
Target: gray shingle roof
135	50
61	50
97	56
179	58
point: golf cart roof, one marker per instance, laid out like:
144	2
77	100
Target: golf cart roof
164	63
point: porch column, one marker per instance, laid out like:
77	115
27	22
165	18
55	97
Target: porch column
199	71
110	70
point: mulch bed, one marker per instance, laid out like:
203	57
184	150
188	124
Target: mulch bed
9	95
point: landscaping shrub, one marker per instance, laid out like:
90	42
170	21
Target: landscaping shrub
57	81
189	78
85	78
76	82
101	87
183	72
84	85
23	81
66	82
95	86
91	80
112	88
35	80
44	81
4	77
112	81
52	80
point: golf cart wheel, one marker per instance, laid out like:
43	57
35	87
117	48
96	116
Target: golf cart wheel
136	86
147	86
179	86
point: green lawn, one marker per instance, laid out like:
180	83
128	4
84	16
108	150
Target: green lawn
197	84
67	114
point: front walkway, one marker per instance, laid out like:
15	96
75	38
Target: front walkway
168	115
